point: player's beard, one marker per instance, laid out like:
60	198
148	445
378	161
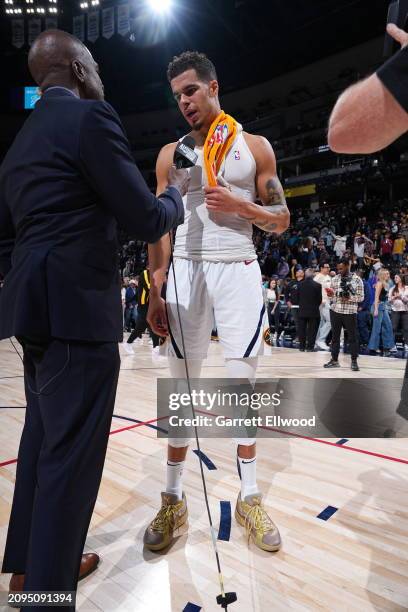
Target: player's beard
198	125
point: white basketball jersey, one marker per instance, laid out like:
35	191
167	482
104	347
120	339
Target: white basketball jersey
209	236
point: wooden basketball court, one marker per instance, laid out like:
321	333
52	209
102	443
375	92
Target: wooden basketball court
356	560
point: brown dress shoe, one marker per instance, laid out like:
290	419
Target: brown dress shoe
89	563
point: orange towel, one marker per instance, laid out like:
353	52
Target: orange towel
220	138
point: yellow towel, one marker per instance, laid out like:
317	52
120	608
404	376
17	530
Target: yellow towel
220	138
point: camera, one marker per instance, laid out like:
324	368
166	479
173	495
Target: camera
346	289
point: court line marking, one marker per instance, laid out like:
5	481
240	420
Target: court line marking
343	447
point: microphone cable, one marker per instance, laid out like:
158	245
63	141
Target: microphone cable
224	599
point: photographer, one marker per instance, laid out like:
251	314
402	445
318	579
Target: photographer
346	292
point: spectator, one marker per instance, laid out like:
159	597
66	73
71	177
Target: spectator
141	320
382	326
398	249
272	299
324	279
283	268
386	249
293	267
363	313
292	298
398	298
359	246
310	298
339	245
130	305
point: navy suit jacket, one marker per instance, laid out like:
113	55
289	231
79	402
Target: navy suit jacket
66	181
310	298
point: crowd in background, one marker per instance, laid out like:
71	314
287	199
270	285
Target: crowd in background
373	236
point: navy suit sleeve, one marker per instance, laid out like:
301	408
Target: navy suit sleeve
393	75
109	166
7	235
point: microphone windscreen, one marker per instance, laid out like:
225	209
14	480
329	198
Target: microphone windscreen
184	154
189	142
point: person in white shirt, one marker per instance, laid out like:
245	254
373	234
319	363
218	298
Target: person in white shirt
339	245
324	279
359	248
398	299
272	299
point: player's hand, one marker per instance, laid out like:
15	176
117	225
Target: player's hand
221	199
397	34
156	316
180	179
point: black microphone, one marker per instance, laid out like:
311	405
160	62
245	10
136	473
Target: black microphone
184	156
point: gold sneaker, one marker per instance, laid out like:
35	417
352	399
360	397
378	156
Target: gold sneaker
259	526
171	516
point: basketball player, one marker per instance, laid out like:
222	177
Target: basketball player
217	274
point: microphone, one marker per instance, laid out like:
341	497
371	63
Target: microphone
184	156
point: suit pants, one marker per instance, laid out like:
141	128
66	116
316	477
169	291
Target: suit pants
294	311
60	459
349	323
307	330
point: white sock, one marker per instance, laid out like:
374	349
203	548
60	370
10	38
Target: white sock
174	474
248	476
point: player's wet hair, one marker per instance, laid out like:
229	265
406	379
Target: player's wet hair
187	60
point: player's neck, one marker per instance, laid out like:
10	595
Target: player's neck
201	134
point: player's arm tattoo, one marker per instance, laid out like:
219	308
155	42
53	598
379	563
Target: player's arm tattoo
275	203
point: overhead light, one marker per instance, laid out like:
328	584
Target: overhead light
160	6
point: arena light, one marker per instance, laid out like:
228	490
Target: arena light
160	6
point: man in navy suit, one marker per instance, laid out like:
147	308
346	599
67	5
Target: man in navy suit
66	181
310	298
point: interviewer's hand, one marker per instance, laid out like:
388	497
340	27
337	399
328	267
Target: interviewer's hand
179	179
156	316
397	34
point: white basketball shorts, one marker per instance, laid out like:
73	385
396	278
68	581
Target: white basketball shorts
229	294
